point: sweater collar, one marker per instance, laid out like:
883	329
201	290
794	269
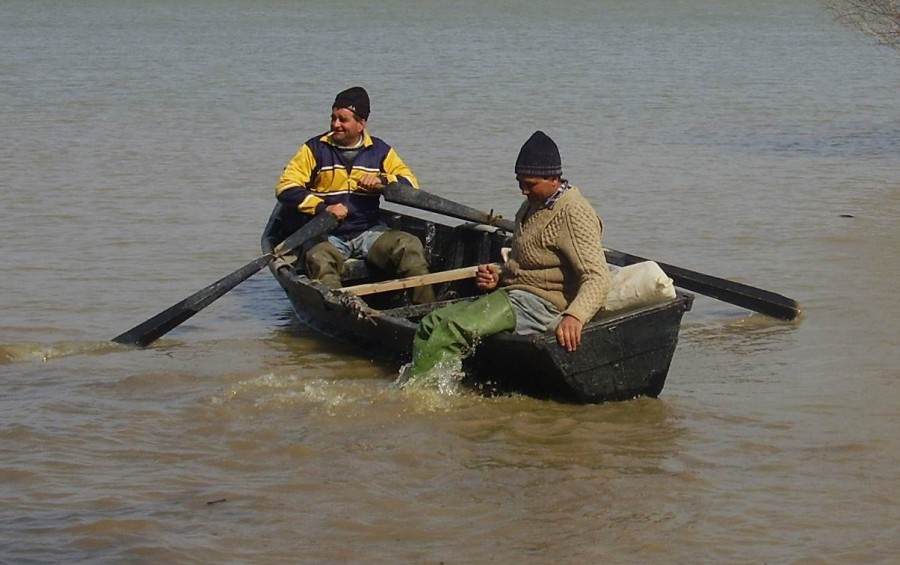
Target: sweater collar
563	187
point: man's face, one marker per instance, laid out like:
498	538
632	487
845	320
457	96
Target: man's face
537	189
346	129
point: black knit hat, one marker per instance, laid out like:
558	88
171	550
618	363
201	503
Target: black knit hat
539	157
355	99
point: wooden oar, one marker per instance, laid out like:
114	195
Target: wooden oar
147	332
752	298
410	282
749	297
408	196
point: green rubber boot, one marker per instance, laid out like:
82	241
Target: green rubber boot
324	262
403	253
448	333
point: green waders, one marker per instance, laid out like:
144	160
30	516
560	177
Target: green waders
325	263
394	250
403	253
453	331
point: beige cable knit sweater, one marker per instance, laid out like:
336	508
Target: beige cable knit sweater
557	255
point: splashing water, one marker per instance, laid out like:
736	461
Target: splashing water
445	378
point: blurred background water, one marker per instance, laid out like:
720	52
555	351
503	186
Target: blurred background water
757	141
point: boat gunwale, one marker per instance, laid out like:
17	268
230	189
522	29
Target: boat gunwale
393	316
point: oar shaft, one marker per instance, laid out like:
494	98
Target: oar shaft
318	225
408	196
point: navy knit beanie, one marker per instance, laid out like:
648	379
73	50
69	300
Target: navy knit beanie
539	157
355	99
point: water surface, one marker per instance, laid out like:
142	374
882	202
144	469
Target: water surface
757	141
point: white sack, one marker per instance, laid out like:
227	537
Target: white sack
638	285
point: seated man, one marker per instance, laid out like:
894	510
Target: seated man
556	277
343	172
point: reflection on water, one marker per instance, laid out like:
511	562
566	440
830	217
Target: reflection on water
746	335
630	437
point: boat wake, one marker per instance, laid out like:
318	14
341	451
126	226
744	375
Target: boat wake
30	352
442	390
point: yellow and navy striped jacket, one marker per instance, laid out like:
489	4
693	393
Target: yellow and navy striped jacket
318	176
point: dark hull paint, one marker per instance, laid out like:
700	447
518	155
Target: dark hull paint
621	357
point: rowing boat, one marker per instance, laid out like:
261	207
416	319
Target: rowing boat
624	354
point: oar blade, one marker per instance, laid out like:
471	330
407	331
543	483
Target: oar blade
746	296
147	332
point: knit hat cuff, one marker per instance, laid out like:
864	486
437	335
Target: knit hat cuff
539	171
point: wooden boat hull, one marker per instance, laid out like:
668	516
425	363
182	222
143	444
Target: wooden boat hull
622	356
